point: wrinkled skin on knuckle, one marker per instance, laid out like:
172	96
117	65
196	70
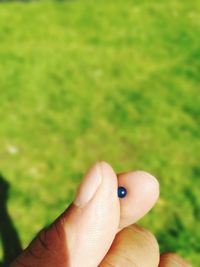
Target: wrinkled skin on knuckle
134	247
173	260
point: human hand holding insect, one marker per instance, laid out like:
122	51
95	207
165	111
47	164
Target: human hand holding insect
97	229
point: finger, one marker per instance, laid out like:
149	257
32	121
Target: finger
172	260
85	232
132	247
142	194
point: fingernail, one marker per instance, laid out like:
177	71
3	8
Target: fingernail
89	185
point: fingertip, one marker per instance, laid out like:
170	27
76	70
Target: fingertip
106	167
142	193
110	177
150	183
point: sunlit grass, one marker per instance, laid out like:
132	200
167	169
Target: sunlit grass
117	81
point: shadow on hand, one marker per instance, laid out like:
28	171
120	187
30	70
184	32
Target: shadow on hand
9	238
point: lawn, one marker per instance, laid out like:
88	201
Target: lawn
115	80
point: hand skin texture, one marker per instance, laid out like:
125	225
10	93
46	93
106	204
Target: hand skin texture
97	229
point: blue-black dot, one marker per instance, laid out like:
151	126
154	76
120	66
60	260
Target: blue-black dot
122	192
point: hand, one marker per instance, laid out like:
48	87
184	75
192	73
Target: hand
95	230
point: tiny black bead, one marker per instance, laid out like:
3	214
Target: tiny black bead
122	192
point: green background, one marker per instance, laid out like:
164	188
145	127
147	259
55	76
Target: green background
102	80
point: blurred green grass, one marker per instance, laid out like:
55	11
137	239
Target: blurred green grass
113	80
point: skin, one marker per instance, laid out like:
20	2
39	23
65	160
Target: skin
102	232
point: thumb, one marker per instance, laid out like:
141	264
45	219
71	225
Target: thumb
83	234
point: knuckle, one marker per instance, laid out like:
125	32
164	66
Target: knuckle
43	239
145	236
133	246
170	259
106	263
